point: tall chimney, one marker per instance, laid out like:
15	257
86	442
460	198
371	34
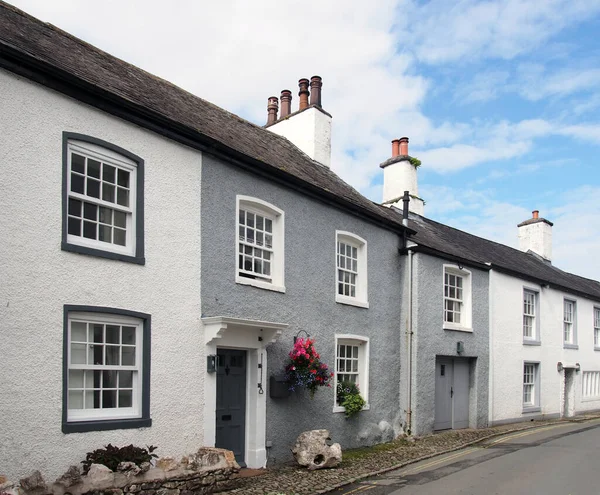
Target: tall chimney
400	175
535	234
286	103
404	146
272	108
309	128
303	93
315	90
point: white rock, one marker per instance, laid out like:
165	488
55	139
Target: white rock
311	450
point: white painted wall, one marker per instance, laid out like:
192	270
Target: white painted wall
536	237
309	130
37	279
508	351
399	177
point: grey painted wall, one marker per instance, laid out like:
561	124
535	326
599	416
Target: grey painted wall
432	340
308	304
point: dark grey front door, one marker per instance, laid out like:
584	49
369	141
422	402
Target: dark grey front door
451	393
231	402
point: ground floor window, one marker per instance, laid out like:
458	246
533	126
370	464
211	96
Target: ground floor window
352	364
530	385
591	384
106	368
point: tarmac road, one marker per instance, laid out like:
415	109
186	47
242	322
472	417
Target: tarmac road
559	459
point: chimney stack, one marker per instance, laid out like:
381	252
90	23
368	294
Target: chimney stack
404	146
315	90
272	108
400	175
309	128
535	234
303	93
286	103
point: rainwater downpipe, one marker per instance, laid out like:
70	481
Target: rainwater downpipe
409	332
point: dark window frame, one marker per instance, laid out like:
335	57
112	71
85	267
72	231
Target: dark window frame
138	258
108	424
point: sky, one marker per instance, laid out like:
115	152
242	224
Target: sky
500	99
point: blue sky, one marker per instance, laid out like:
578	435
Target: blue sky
500	99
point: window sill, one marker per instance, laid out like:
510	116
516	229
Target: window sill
351	301
341	409
259	284
596	348
532	409
570	346
531	342
76	248
456	328
103	425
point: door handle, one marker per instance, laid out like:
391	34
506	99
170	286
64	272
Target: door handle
226	417
451	392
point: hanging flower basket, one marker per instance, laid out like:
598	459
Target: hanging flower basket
305	370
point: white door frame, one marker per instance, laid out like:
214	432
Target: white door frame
252	336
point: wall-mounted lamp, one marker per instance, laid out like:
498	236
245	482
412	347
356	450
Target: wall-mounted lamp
559	367
577	367
298	334
460	347
212	361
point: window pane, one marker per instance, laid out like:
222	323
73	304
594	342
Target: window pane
125	398
77	183
112	334
74	227
93	168
250	219
97	332
78	353
128	336
120	219
93	188
120	237
122	196
89	230
242	217
123	178
78	163
74	207
128	356
112	354
266	268
78	331
109	379
268	225
259	222
268	240
104	233
125	379
76	379
96	354
109	399
108	192
108	173
75	399
90	211
355	351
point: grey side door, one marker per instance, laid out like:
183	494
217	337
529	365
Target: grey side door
443	394
460	396
231	402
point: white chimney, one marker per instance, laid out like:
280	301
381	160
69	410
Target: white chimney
400	175
535	235
309	128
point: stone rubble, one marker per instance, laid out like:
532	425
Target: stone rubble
311	450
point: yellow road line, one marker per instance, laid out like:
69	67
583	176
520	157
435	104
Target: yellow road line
439	461
362	488
525	433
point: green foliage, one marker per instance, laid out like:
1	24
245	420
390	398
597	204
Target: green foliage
415	162
112	456
348	396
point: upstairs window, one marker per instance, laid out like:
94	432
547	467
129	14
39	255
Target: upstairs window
457	299
597	328
351	270
103	199
569	323
530	321
260	244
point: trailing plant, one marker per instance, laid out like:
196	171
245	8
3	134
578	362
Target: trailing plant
305	369
348	396
415	162
112	456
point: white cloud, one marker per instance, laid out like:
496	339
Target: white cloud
485	86
536	82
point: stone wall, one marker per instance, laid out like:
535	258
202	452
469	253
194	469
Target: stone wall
206	471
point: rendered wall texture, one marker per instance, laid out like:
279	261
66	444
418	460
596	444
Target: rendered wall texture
509	352
308	303
432	340
38	279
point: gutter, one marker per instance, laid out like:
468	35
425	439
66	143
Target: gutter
64	82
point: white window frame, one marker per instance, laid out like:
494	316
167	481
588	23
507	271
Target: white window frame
531	310
596	317
533	381
590	382
118	161
277	216
363	367
361	298
78	415
570	322
466	310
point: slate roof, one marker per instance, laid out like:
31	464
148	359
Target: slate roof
462	245
30	46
